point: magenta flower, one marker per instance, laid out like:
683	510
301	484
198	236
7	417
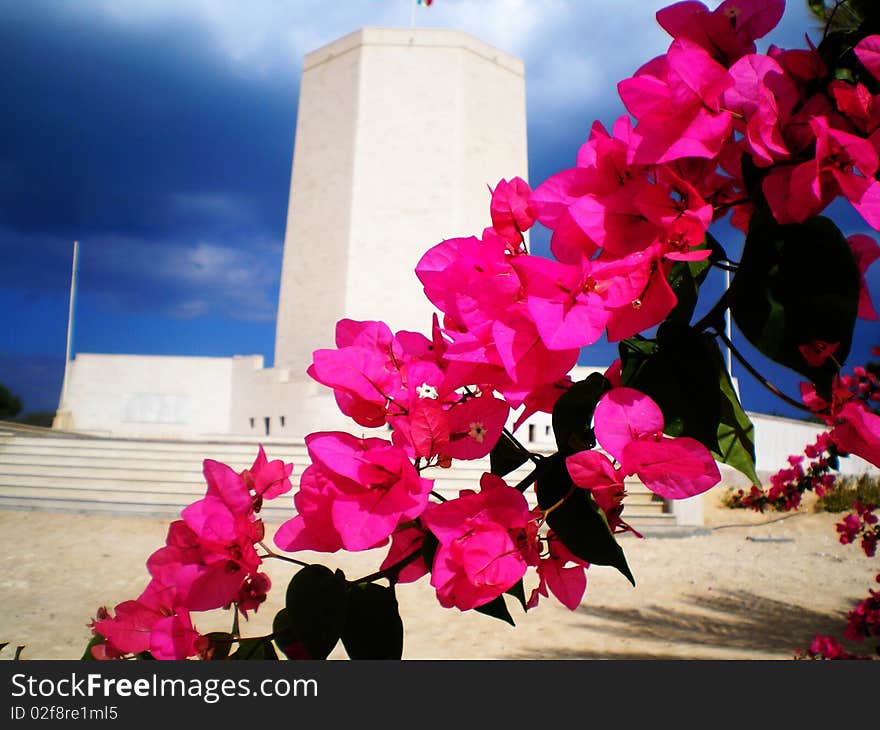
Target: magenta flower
865	251
485	542
858	432
568	584
676	99
357	492
729	31
868	52
510	210
844	165
629	426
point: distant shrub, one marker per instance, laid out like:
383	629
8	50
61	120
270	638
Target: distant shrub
849	489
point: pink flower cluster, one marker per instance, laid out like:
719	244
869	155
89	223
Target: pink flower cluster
864	620
209	561
862	523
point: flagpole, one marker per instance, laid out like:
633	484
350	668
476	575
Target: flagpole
412	14
70	306
728	326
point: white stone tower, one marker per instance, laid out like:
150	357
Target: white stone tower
399	132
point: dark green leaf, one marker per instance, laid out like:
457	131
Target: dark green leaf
505	457
573	414
286	638
316	602
373	629
496	608
677	372
518	591
258	648
736	434
797	284
221	644
429	549
578	522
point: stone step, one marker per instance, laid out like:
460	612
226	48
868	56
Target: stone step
102	485
162	503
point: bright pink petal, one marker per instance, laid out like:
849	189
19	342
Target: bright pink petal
591	469
475	425
868	52
858	433
673	468
567	584
865	251
624	415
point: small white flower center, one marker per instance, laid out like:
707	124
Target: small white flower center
427	391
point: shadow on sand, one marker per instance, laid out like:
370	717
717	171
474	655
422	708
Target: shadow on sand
738	620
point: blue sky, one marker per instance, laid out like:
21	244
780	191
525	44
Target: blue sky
160	134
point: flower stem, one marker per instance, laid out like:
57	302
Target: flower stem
760	378
270	554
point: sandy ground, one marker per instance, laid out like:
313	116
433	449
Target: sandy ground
755	587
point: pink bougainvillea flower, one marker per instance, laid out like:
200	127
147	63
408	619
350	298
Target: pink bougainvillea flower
312	528
593	471
844	165
729	31
173	637
676	99
816	352
563	302
542	399
629	426
405	542
568	584
858	432
649	308
674	468
475	425
469	280
762	99
358	370
868	52
128	632
364	486
484	543
267	479
529	363
510	210
865	251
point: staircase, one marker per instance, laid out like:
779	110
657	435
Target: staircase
51	470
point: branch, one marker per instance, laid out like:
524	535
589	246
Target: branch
760	378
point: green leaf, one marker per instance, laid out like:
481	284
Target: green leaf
505	457
573	414
736	433
678	373
286	638
221	644
373	629
316	602
258	648
518	591
496	608
796	284
578	522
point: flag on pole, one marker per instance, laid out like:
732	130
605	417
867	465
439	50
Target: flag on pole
425	2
